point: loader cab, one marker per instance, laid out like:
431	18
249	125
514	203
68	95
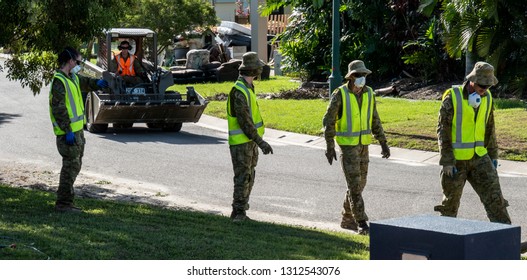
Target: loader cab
140	48
143	44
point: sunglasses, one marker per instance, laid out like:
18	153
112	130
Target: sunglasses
483	86
78	62
358	75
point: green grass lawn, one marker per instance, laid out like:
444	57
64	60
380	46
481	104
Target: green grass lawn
111	230
409	124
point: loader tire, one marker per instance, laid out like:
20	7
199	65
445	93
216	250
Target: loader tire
172	127
90	126
122	125
97	128
154	125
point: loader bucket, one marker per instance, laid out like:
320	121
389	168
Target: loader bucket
146	108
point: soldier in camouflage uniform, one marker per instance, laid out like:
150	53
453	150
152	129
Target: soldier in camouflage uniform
468	147
246	129
351	118
67	117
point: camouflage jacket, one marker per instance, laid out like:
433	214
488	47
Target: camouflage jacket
240	110
444	130
334	111
58	99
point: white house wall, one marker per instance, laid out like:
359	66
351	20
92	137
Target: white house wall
225	11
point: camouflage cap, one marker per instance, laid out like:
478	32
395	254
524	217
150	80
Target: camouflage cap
357	66
483	74
250	61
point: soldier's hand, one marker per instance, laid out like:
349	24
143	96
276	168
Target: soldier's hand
331	155
266	148
102	83
70	138
449	170
385	150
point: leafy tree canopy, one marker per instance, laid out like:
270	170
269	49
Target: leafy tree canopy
373	31
35	31
491	30
170	17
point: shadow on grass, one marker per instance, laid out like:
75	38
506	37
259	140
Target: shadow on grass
501	103
99	191
111	230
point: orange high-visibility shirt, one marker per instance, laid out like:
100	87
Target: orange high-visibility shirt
125	67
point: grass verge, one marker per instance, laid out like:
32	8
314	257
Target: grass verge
409	124
114	230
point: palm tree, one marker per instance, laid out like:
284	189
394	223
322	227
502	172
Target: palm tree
371	30
492	30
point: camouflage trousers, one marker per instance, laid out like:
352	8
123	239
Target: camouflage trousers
71	166
244	159
481	174
354	161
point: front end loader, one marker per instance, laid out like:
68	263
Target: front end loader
149	101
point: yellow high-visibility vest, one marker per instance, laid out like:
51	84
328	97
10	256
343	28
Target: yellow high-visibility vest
236	135
354	126
73	103
468	129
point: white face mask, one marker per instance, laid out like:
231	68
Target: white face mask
474	99
360	82
76	69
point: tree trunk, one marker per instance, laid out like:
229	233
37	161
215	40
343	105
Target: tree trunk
470	60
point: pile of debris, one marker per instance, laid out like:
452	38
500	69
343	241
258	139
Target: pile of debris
296	94
412	88
215	57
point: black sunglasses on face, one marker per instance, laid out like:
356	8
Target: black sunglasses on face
482	86
78	62
358	75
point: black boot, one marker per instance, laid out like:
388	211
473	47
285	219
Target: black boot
364	229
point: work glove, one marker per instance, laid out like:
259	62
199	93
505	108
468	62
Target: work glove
102	83
385	150
266	148
330	153
495	163
70	138
449	170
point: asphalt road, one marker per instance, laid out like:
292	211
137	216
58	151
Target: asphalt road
294	185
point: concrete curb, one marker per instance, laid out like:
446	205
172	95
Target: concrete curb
506	167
